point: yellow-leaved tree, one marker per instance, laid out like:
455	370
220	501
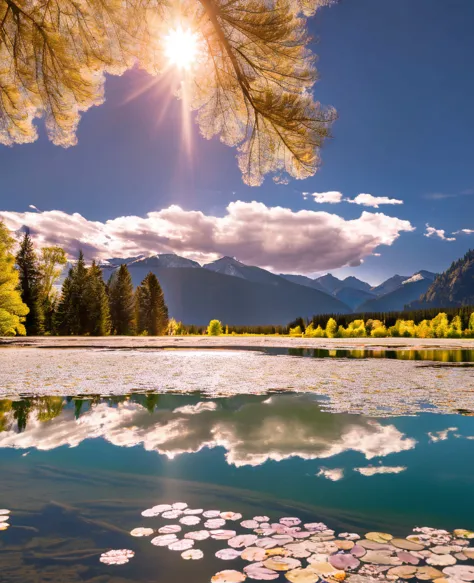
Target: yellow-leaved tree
12	309
251	81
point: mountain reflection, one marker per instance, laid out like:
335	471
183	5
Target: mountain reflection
251	429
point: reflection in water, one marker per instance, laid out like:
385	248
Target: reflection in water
436	355
252	430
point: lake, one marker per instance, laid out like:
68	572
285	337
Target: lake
382	457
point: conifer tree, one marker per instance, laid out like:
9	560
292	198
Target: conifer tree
30	286
78	309
12	309
51	264
62	323
97	302
121	301
150	307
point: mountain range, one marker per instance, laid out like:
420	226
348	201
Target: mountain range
240	294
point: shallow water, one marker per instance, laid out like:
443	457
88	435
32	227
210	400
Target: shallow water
78	472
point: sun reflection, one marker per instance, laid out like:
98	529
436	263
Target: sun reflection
181	47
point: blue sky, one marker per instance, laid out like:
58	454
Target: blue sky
399	75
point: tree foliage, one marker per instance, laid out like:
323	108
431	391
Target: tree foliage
251	84
97	301
30	285
150	308
121	301
215	328
12	308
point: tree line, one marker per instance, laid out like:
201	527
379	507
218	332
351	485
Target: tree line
30	303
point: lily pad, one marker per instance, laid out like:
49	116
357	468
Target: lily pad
342	561
181	545
290	521
469	553
179	506
198	535
169	529
190	520
325	570
281	563
266	543
298	550
228	554
282	539
193	511
220	534
164	540
358	551
116	557
379	537
214	523
349	536
428	573
407	545
250	524
460	572
260	572
142	531
161	508
242	540
4	525
374	546
261	518
302	576
277	552
407	557
315	526
172	514
231	515
211	514
403	572
252	554
381	558
228	576
441	560
192	555
344	545
463	533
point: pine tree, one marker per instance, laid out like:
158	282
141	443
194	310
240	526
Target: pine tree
30	286
61	319
97	302
78	310
150	307
121	301
12	309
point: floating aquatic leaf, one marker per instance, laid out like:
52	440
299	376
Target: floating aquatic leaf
243	540
298	550
407	557
220	534
282	539
265	531
277	552
381	558
169	529
266	543
198	535
181	545
161	508
261	518
179	506
325	570
231	515
249	524
349	535
463	533
463	557
142	531
116	557
427	573
290	521
4	511
358	551
228	577
344	545
172	514
214	523
190	520
441	560
149	512
164	540
4	525
301	533
228	554
460	572
379	537
469	553
318	558
403	572
374	546
259	572
192	555
302	576
315	526
407	545
252	554
281	563
193	511
445	549
342	561
211	514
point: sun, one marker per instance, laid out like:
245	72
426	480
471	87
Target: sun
181	47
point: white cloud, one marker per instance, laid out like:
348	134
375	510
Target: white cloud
373	470
271	237
333	475
464	232
440	233
441	435
373	201
331	197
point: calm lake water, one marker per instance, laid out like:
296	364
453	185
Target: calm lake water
78	472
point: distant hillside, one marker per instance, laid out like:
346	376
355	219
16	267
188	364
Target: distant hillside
407	292
255	297
303	280
353	297
389	285
454	287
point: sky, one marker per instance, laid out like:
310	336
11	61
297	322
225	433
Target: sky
399	75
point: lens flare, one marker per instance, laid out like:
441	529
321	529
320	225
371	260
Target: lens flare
181	47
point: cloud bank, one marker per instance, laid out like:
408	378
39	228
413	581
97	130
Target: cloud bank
275	238
373	201
440	233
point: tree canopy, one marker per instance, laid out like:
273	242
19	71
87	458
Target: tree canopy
251	83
